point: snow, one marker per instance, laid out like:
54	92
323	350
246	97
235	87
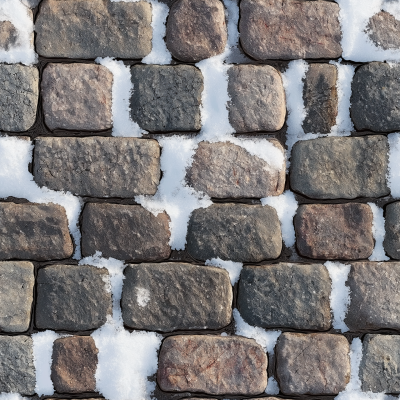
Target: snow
378	230
11	396
272	386
340	294
142	296
394	164
233	268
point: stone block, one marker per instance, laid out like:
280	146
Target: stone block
234	232
34	232
98	166
72	297
166	98
257	98
384	30
334	231
226	170
8	35
171	296
212	364
285	295
392	226
77	96
125	232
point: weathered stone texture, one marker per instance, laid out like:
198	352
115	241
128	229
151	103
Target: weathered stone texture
384	30
196	29
334	231
77	96
257	98
320	98
34	232
226	170
285	296
72	297
17	371
312	364
170	296
74	364
166	98
235	232
213	365
19	93
340	167
392	226
17	280
125	232
374	99
8	35
93	28
291	29
98	166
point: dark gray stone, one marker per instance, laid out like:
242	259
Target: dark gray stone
98	166
234	232
17	280
8	35
384	30
340	167
19	93
171	296
286	296
34	232
125	232
93	28
17	371
72	297
257	98
392	226
374	99
166	98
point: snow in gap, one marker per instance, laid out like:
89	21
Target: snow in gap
12	396
378	230
394	164
233	268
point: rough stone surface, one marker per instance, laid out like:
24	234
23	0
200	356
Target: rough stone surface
235	232
340	167
273	29
19	93
285	296
17	371
171	296
72	297
77	96
166	98
34	232
374	99
334	231
93	28
392	226
125	232
320	98
225	170
196	29
257	98
74	364
384	30
17	280
380	363
212	364
8	35
98	166
312	364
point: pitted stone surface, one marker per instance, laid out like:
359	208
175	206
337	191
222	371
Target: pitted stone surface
334	231
34	232
98	166
93	28
77	96
170	296
19	93
312	364
257	98
8	35
72	297
285	296
166	98
340	167
273	29
384	30
213	365
235	232
17	371
125	232
392	226
196	29
226	170
17	280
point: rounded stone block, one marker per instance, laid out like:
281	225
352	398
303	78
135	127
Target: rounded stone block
391	242
8	35
384	30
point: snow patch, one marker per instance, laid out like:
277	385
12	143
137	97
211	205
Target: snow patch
272	386
394	164
142	296
378	230
11	396
233	268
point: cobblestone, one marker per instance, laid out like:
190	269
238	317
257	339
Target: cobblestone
392	225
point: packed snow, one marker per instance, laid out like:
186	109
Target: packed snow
378	230
394	170
234	268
